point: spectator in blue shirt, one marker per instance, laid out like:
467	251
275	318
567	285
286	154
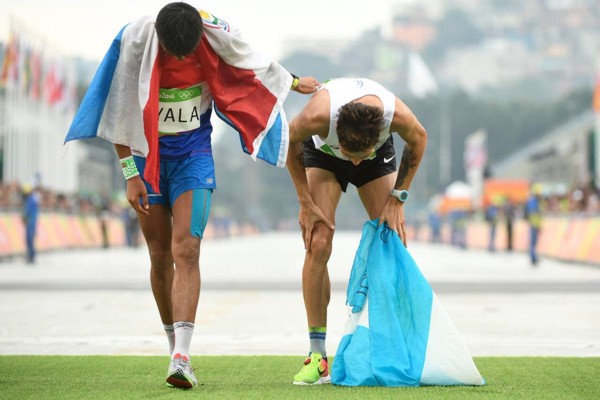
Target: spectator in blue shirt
533	214
31	210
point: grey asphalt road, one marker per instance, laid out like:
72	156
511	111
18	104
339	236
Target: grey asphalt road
99	301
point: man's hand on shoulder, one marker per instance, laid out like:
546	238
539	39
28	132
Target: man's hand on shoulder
307	85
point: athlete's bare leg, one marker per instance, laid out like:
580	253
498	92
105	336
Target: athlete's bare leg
186	254
375	194
156	228
316	287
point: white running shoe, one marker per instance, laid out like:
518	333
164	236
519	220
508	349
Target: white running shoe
180	373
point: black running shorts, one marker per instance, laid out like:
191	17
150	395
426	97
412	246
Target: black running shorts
345	172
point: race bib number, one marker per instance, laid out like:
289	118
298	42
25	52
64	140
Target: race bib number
179	110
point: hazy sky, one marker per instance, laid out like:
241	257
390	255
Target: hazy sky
86	28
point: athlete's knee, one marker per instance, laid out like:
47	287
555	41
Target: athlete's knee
321	243
186	251
160	253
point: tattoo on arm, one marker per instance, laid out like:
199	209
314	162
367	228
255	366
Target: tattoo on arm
409	161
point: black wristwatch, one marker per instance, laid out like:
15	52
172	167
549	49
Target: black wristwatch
401	195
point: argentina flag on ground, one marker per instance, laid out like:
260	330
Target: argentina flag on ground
398	333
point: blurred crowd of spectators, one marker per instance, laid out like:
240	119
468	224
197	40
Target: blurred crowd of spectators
13	195
583	199
11	199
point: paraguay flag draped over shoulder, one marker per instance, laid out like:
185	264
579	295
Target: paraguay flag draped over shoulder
248	89
398	333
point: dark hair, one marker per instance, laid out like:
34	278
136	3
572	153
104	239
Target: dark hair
358	126
179	28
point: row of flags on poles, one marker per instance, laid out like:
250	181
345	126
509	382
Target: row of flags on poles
29	70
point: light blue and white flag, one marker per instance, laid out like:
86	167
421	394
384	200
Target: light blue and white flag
398	333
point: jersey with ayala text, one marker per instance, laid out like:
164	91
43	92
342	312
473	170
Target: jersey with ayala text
185	106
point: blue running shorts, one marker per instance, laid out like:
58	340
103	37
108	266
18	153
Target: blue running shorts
179	176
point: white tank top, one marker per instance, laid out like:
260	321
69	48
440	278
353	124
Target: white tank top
343	91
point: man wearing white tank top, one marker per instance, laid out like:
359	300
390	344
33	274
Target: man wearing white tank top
344	135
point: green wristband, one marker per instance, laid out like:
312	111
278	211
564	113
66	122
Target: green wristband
129	168
295	82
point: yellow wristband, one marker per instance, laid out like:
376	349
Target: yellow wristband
295	82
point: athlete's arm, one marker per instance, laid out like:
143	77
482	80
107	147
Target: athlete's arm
407	126
135	186
313	119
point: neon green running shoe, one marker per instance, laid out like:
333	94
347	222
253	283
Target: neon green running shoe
314	372
180	373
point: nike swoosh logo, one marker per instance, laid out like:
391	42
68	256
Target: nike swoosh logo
387	160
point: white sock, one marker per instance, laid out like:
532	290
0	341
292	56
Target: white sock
183	338
170	331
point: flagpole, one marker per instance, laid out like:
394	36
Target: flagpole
596	108
445	140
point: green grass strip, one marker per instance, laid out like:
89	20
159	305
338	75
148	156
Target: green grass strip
270	377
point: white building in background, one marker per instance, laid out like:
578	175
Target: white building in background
38	101
31	137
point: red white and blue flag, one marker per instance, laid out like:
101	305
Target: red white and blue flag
248	90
